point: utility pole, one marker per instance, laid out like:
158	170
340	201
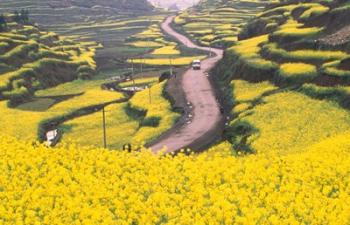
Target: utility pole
210	49
171	67
104	127
149	94
141	64
132	73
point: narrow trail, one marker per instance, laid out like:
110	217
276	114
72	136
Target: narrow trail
200	93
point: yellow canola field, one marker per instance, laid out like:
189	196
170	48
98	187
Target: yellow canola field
166	50
74	185
24	124
175	61
87	130
288	121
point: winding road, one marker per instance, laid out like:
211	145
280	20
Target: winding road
200	93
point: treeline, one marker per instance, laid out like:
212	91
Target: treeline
21	17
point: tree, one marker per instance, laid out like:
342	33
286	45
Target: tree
24	16
3	24
17	16
21	17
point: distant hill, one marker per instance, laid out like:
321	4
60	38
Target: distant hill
181	4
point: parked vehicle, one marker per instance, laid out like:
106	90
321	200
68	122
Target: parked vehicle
52	137
196	64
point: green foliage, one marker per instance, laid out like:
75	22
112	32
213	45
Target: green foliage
3	23
152	121
21	16
238	133
17	96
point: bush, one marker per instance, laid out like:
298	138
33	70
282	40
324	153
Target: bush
17	96
84	76
150	122
237	134
85	72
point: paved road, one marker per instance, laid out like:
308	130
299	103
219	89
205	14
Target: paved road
199	92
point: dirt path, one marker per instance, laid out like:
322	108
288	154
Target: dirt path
199	92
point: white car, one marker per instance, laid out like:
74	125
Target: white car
196	64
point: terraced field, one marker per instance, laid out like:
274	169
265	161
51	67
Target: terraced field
108	23
49	81
108	37
283	83
218	23
166	52
282	71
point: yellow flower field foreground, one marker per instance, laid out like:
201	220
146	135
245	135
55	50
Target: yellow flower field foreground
74	185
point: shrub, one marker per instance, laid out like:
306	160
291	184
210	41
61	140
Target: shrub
150	121
17	96
238	133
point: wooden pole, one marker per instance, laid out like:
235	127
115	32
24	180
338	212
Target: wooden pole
171	67
132	74
149	95
104	128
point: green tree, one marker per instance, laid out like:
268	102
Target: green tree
24	16
3	24
21	16
17	16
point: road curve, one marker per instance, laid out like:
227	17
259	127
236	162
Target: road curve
199	92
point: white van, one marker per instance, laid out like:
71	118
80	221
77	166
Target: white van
196	64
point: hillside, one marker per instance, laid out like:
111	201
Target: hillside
181	4
290	64
55	82
106	22
32	59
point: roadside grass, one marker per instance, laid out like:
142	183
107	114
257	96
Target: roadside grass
157	107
